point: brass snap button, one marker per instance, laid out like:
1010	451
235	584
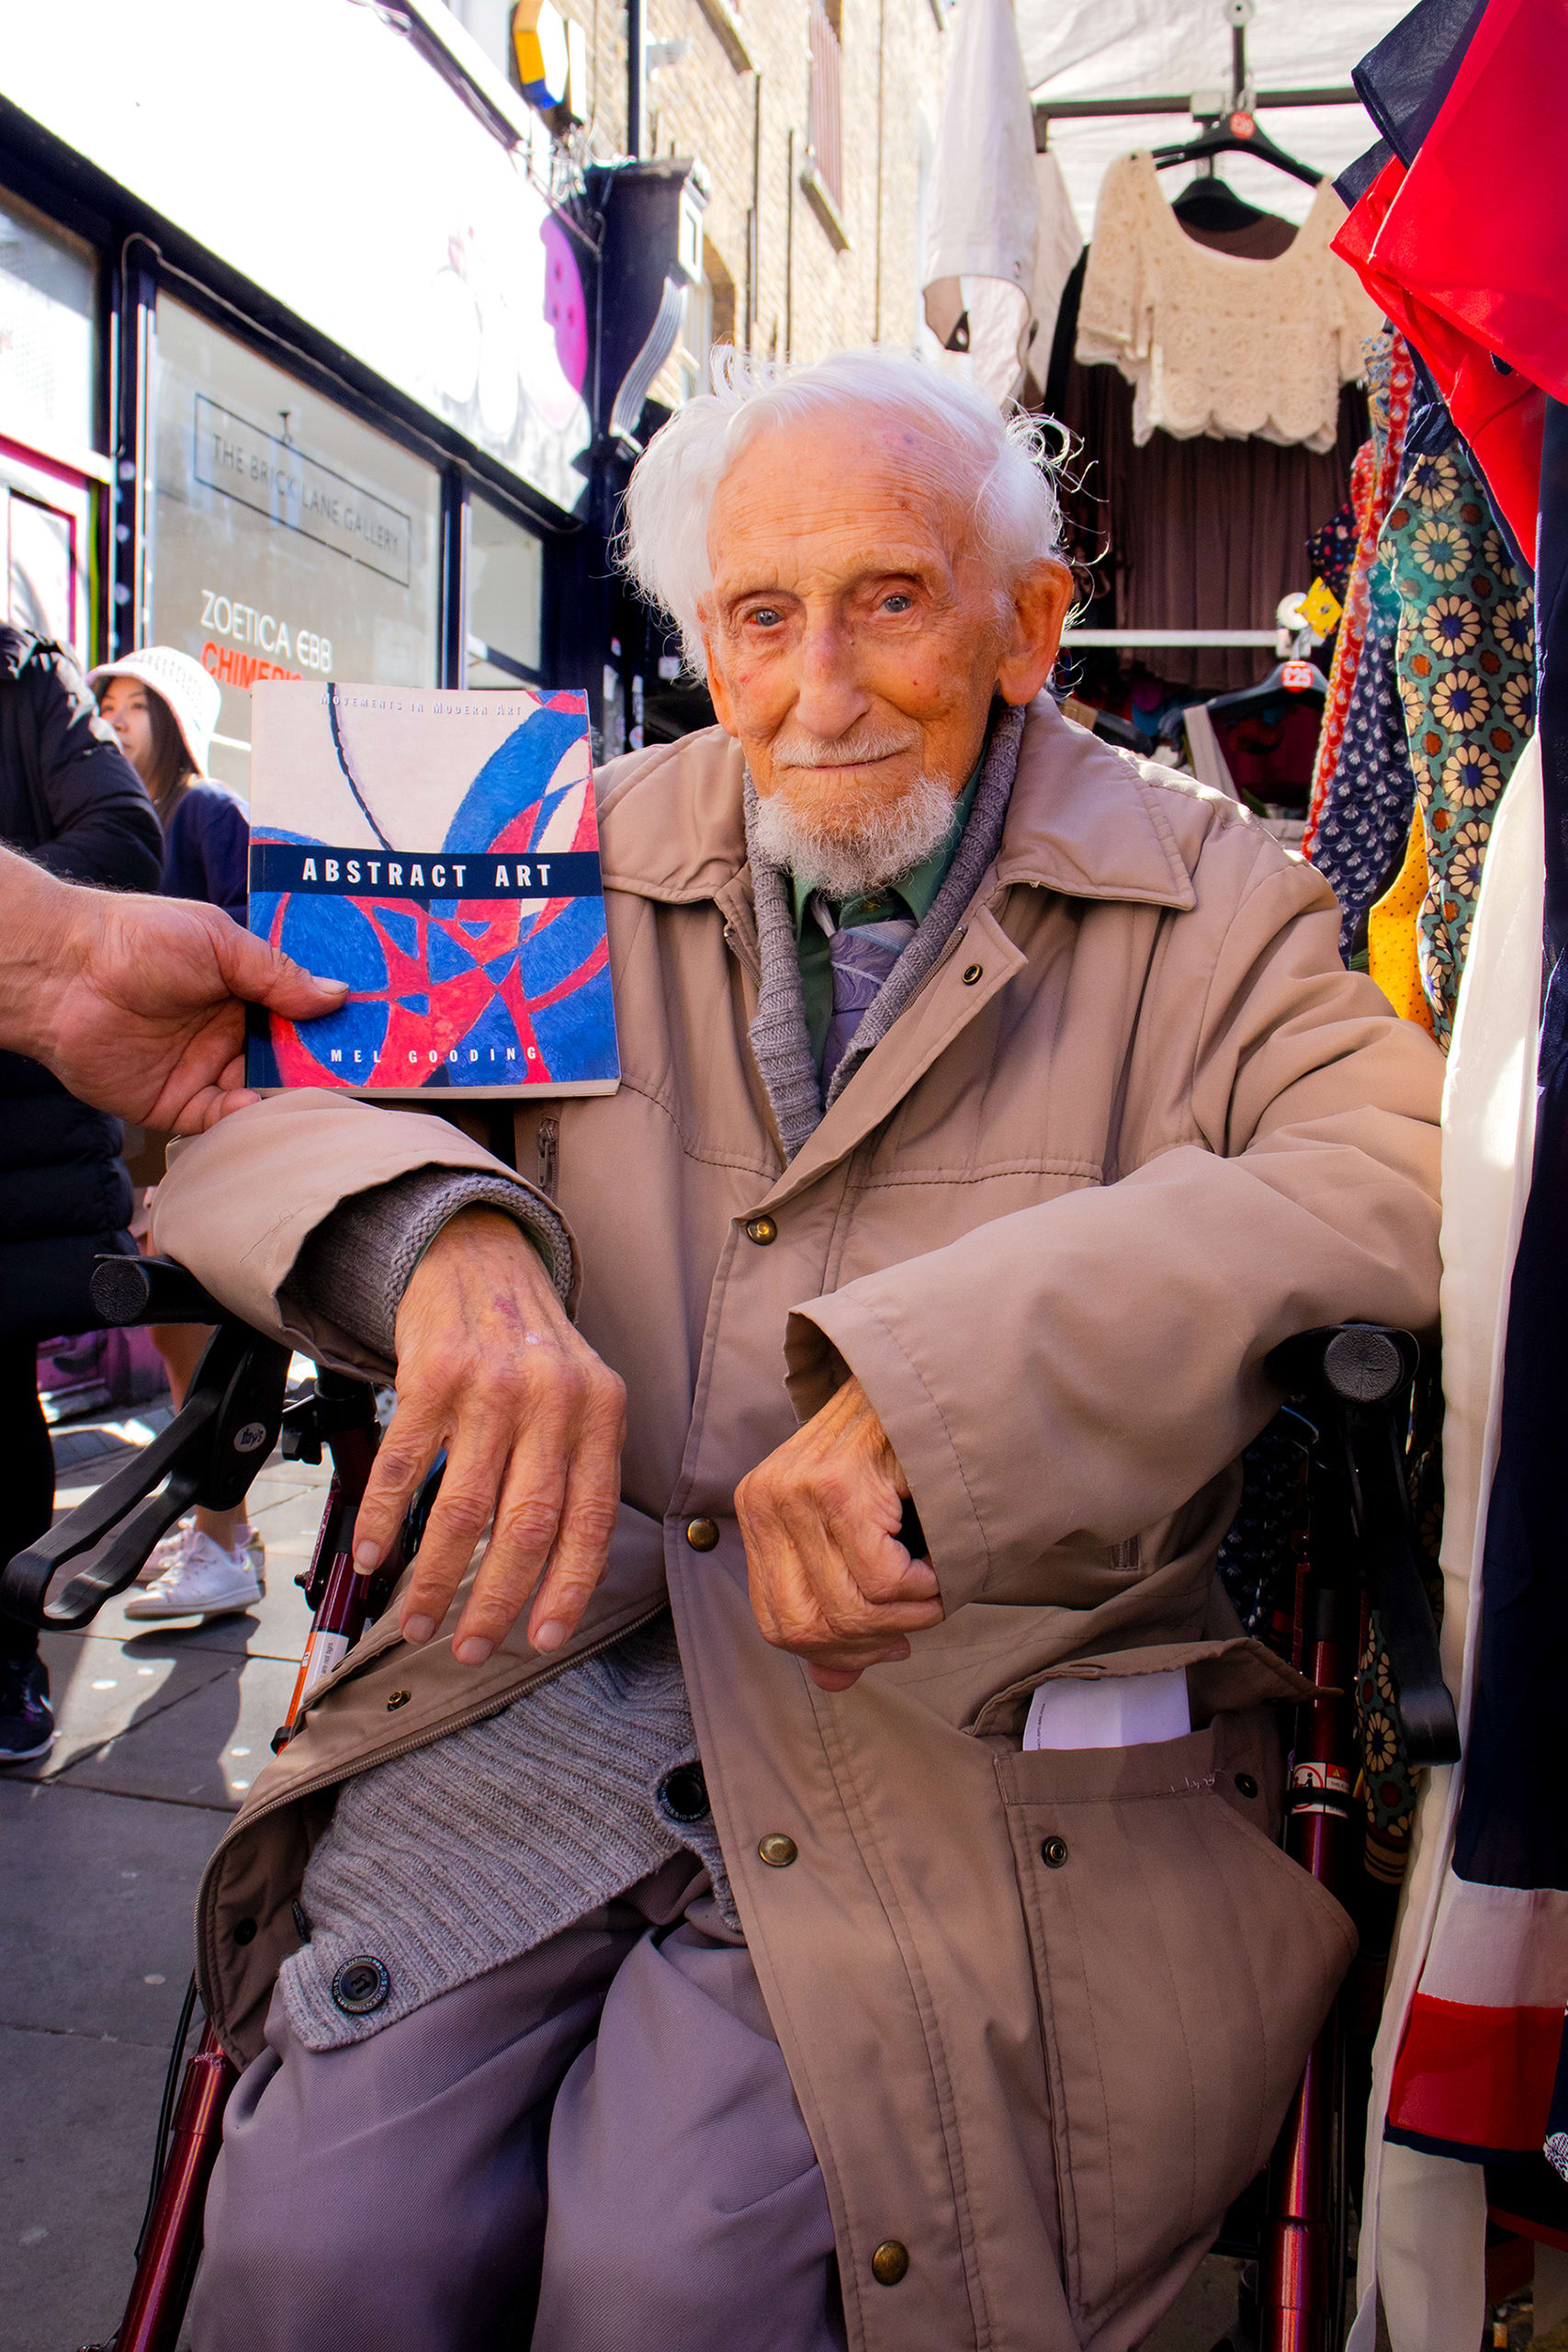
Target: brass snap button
761	1230
397	1699
972	972
777	1850
1247	1784
890	2263
702	1535
361	1986
1053	1852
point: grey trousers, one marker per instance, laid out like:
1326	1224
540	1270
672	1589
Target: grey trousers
591	2149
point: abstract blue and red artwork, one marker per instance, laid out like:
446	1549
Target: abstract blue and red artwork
440	852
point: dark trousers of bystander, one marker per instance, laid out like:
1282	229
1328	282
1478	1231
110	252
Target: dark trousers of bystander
26	1491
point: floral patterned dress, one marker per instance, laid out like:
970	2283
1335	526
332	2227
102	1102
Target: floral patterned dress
1465	658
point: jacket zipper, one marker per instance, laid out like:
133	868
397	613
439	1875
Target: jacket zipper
550	1156
310	1788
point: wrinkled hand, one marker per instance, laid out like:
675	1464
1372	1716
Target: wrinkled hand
137	1003
830	1579
533	1422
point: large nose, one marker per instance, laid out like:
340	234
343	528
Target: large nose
830	699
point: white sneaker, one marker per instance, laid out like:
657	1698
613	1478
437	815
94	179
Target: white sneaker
169	1551
206	1581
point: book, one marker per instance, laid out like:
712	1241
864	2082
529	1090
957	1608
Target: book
440	851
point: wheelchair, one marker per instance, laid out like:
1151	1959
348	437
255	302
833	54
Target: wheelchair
1352	1547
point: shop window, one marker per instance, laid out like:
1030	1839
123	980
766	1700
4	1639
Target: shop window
826	100
489	21
721	295
506	576
288	538
49	306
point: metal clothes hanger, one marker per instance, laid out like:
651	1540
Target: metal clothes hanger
1235	132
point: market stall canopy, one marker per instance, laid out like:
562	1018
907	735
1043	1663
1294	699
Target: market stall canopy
1007	222
1141	49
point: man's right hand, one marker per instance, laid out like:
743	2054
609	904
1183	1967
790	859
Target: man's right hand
138	1004
490	1366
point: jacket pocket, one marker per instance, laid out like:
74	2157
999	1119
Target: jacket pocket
1184	1966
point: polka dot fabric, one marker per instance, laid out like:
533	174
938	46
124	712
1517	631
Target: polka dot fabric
1362	788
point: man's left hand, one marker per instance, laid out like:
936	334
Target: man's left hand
820	1518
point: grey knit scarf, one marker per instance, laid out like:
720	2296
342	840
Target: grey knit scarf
779	1035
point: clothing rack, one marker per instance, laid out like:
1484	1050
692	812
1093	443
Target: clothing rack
1189	636
1204	105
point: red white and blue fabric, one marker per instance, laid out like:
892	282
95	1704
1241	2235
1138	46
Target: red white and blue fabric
1483	2048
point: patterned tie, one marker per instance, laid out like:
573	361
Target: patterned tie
862	960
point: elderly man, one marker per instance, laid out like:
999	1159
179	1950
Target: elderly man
663	1933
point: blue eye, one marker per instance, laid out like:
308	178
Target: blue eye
764	617
898	602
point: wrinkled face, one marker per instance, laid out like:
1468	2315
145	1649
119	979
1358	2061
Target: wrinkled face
124	704
855	633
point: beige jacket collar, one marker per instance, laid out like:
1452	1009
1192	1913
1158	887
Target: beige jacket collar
1084	821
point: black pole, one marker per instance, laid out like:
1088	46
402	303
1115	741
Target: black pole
636	80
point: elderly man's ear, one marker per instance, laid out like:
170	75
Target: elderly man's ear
1040	602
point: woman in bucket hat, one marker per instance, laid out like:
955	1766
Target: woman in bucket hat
163	705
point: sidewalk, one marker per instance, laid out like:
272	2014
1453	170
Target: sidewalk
162	1730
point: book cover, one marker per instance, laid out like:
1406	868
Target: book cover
440	851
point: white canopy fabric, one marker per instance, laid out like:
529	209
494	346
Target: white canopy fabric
1095	48
1006	226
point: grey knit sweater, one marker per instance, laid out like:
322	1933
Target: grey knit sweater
470	1853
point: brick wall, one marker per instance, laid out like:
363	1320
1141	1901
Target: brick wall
738	100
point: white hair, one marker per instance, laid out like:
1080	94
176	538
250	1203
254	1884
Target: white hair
998	465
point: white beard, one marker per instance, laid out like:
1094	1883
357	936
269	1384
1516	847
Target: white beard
887	841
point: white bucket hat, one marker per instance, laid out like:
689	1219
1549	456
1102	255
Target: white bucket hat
193	695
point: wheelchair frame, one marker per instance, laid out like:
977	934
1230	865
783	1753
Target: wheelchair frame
1352	1386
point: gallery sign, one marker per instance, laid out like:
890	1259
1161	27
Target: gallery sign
282	483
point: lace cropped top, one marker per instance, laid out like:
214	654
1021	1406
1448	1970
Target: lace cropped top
1212	343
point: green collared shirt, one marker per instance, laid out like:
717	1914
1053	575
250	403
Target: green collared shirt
912	895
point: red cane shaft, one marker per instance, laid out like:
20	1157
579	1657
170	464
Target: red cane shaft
156	2309
1297	2267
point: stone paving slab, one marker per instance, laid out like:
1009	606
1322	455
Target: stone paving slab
206	1748
95	1948
96	1932
102	1690
75	2182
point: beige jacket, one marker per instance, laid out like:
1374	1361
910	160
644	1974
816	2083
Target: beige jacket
1139	1126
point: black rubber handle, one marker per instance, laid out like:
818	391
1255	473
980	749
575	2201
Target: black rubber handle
1354	1380
151	1290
